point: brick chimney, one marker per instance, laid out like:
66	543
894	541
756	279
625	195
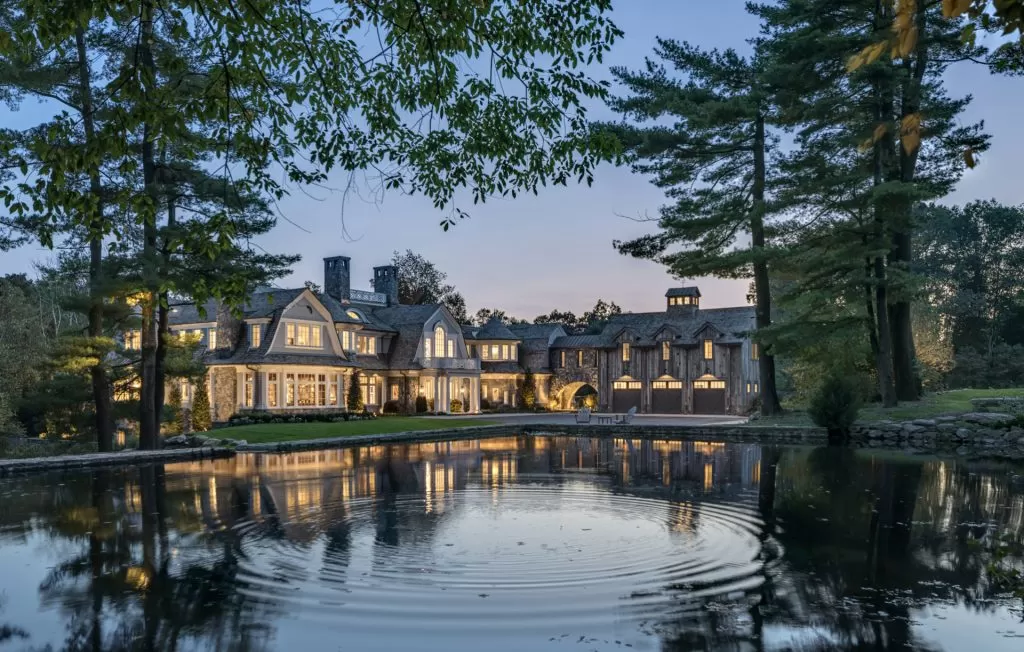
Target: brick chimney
385	281
338	277
682	301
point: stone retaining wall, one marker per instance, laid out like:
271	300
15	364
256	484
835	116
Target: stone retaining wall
977	433
112	459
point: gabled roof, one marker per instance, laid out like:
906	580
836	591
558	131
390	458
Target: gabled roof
495	329
580	342
683	292
535	331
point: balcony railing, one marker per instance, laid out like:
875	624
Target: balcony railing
362	296
466	364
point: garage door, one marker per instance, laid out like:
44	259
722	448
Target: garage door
667	397
625	395
709	397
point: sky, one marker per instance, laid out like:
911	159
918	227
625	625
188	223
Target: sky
530	255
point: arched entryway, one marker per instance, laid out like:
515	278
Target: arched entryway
577	395
709	395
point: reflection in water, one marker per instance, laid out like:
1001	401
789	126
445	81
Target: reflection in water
515	543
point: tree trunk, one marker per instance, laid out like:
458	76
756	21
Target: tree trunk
98	372
149	419
762	292
163	331
883	359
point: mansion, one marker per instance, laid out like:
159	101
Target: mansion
299	349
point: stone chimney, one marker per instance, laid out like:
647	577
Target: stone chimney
683	301
385	281
229	331
338	277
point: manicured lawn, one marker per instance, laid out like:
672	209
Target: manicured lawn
262	433
932	405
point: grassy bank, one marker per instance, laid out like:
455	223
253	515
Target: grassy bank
267	433
932	405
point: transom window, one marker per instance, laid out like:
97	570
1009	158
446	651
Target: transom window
709	384
626	384
625	351
303	335
667	384
709	350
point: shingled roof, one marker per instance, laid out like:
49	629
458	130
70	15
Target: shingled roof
495	329
683	292
733	323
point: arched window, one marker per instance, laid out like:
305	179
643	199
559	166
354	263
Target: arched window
439	341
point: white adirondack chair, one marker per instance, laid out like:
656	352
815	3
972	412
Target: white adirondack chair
626	418
583	415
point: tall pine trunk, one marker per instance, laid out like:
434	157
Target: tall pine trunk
149	418
163	311
98	371
883	357
762	292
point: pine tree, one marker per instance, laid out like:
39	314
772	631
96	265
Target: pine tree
528	391
714	164
177	414
354	398
202	419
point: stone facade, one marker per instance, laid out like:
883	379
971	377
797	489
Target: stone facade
224	393
976	434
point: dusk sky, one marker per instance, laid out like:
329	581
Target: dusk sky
530	255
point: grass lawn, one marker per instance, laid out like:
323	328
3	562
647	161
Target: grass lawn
264	433
932	405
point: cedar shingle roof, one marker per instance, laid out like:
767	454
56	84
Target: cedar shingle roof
683	292
495	329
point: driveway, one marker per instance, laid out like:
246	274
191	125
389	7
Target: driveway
569	418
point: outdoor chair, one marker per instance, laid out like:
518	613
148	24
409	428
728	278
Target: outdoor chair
583	415
626	418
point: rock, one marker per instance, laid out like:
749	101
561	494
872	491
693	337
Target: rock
910	428
1020	442
178	440
963	433
963	450
924	422
946	427
986	417
946	419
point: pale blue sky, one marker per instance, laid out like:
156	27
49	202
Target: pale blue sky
532	254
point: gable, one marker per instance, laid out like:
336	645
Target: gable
306	307
708	331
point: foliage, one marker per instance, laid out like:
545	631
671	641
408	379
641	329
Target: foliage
176	419
248	417
354	397
390	407
421	404
591	321
421	282
528	390
456	406
835	405
485	315
1004	567
202	419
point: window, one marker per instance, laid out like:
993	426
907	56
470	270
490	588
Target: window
667	384
666	350
755	351
748	388
133	340
561	359
495	352
303	335
451	348
332	390
625	351
439	341
211	339
354	315
709	384
496	394
368	388
272	390
366	345
626	384
306	391
504	351
755	387
247	393
347	340
255	335
485	352
394	392
427	349
579	358
709	350
289	390
515	351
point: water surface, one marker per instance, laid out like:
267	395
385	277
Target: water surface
517	544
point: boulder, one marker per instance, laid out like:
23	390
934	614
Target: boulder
986	417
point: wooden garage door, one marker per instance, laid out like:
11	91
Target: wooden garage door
667	397
709	397
625	395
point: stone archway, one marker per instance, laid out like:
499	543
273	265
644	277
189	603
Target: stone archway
576	395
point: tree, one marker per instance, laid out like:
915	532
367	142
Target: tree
485	315
713	161
421	282
202	420
861	162
528	390
592	320
354	397
567	319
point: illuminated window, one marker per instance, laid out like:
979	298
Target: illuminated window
626	384
332	390
748	388
625	351
667	384
755	388
755	351
247	394
485	352
561	359
495	352
133	340
579	358
255	335
303	335
272	390
353	315
347	340
515	351
427	348
439	341
451	348
709	350
368	389
666	350
211	339
366	345
709	384
289	390
394	392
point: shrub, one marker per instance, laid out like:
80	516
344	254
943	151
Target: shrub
175	414
421	404
201	418
354	398
528	391
456	406
391	407
485	404
835	406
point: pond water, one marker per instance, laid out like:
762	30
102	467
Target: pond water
513	544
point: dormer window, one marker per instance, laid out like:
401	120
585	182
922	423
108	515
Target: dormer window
625	351
255	335
348	340
366	345
354	315
439	341
709	350
302	336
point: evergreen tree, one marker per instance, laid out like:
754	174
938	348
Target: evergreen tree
713	162
202	419
177	414
528	391
863	158
354	398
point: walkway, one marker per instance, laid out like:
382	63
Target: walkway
569	418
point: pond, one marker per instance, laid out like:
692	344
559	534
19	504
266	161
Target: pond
513	544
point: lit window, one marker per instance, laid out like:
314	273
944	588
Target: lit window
667	384
133	340
211	339
666	350
247	395
332	390
272	390
289	390
368	389
485	352
346	340
579	358
755	387
366	345
353	315
561	356
709	350
451	348
755	351
495	352
394	392
625	351
748	388
439	341
626	384
303	335
504	351
255	335
709	384
427	348
515	351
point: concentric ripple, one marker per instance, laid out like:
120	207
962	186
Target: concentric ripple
538	560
